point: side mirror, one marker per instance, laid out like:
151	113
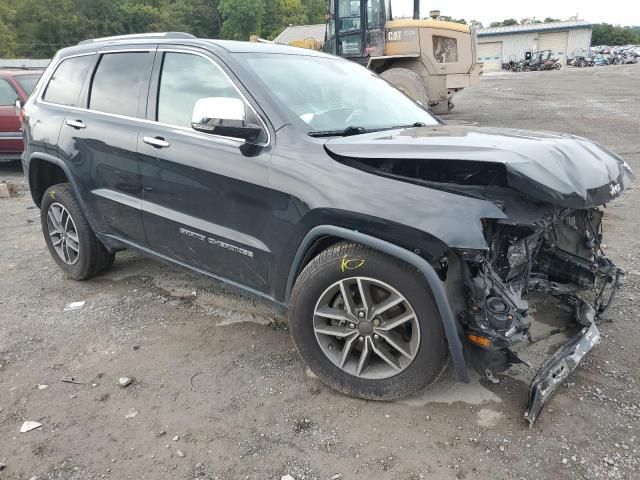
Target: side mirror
223	116
18	106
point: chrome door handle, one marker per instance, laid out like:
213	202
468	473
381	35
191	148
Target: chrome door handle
77	124
157	142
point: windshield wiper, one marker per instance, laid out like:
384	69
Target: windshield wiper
359	130
413	125
345	132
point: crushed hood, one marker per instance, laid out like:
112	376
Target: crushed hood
561	169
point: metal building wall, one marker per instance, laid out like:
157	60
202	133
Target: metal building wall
514	45
579	41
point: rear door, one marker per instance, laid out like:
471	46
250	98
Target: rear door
10	134
100	139
205	197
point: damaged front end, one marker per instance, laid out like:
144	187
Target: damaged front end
537	197
559	254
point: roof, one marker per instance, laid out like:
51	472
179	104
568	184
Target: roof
534	27
428	23
301	32
23	63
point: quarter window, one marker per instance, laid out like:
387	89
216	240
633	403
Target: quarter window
185	79
8	95
66	82
118	82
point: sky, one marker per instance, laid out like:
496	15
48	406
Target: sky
623	12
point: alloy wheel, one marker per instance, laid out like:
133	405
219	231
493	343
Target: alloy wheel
63	233
366	328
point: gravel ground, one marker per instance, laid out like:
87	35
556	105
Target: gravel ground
220	393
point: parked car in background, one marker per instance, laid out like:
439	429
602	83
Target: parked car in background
15	84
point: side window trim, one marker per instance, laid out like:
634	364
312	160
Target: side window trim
154	86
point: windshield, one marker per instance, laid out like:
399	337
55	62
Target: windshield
331	95
27	82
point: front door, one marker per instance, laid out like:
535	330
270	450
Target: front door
205	197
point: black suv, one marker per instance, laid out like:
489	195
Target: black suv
394	241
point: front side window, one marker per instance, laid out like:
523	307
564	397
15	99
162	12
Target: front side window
66	82
445	49
333	94
184	80
8	95
118	82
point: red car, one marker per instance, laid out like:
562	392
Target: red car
14	85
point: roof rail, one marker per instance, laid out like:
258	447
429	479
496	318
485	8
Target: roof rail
139	36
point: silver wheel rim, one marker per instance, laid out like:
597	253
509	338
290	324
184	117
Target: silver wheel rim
366	328
63	233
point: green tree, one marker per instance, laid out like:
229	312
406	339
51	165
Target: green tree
7	32
315	10
139	17
551	20
607	34
281	13
204	22
505	23
241	18
45	27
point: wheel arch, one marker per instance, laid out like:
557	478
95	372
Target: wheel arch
45	171
323	236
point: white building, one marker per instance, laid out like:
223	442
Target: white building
500	44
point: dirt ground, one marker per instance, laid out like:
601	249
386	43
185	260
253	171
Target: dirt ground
220	393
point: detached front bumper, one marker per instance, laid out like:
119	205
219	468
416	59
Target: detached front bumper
558	368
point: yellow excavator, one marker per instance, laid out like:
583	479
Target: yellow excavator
428	59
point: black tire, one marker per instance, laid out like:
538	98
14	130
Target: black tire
93	258
409	82
327	268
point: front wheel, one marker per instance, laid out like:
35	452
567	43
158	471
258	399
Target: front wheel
557	66
70	240
366	324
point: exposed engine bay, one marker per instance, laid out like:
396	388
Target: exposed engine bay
560	255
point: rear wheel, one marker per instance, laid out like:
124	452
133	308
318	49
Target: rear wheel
366	324
70	240
408	82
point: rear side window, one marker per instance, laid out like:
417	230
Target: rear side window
8	95
66	82
118	82
28	82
